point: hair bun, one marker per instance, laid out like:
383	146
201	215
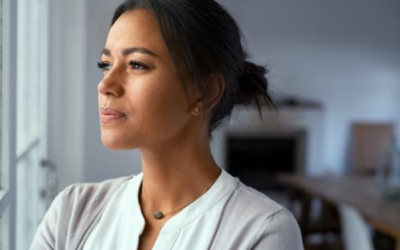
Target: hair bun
253	84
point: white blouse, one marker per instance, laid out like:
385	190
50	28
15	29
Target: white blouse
192	228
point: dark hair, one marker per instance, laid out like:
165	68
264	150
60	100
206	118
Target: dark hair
202	38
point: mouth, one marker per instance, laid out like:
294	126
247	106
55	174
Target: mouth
108	115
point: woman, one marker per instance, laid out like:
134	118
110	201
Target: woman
173	70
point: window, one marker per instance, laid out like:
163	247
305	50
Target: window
7	122
1	80
32	67
23	71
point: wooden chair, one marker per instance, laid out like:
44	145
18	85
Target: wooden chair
369	141
355	233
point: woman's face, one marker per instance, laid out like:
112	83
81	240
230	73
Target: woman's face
141	100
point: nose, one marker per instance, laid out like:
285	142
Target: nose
111	84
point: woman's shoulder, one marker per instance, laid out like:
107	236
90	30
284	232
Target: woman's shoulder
72	213
261	208
252	201
251	204
258	222
83	201
95	190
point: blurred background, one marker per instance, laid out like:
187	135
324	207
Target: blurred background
328	153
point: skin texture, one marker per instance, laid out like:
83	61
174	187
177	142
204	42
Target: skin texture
160	120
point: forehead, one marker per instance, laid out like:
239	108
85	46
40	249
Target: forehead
137	28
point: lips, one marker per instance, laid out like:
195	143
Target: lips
109	115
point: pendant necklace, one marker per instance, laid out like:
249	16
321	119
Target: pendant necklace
159	215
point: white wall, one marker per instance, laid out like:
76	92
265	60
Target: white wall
66	81
343	53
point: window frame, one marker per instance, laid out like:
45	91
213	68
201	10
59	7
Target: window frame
8	119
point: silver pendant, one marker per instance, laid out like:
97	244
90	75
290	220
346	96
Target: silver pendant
158	215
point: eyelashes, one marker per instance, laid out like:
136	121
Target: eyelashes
133	65
103	66
138	65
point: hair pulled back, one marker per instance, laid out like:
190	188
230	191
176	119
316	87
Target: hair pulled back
202	38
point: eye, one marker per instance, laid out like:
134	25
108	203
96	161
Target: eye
135	65
104	66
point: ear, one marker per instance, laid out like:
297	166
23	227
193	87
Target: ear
215	88
195	99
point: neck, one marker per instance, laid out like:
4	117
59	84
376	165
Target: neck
174	176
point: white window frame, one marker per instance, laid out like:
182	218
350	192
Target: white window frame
35	188
8	105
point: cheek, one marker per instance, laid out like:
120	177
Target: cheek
160	103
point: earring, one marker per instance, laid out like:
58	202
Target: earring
196	109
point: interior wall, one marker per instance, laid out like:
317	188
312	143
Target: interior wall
344	54
66	76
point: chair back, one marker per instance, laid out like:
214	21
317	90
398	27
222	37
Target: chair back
355	231
369	142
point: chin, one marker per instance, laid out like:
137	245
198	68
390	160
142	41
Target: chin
115	142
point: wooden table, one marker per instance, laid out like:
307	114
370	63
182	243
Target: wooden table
360	192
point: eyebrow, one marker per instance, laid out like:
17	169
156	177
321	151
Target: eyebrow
129	51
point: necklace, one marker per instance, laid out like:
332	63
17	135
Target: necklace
159	215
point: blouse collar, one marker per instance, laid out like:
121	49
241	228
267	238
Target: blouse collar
223	186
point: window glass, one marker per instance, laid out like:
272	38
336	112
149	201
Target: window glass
28	85
1	113
31	82
1	85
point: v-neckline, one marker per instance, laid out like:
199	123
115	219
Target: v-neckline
222	186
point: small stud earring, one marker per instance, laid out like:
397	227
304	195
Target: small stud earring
196	109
